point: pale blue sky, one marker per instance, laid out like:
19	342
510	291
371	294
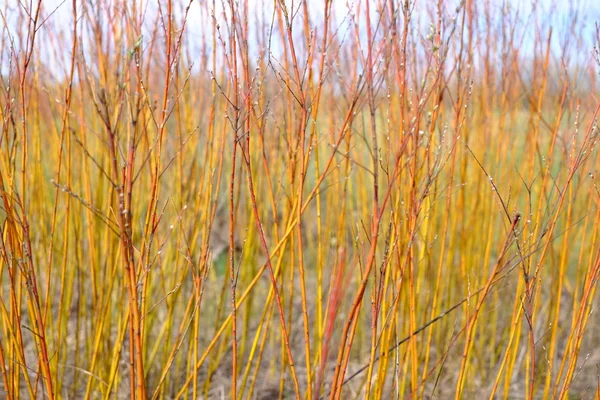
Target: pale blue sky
553	13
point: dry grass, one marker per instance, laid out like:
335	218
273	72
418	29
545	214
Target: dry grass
376	200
